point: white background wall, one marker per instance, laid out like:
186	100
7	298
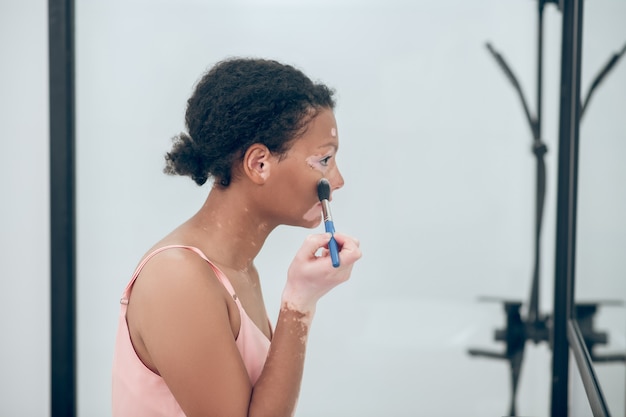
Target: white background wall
439	188
24	208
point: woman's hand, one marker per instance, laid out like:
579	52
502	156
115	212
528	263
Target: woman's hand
311	274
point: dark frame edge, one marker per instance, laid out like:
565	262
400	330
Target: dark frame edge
564	277
62	209
596	399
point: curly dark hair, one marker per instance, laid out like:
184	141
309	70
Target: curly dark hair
240	102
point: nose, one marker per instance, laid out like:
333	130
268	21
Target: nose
336	181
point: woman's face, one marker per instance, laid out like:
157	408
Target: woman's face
312	157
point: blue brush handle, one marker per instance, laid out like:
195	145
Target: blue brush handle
332	244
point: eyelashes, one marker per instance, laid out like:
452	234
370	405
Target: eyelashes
324	161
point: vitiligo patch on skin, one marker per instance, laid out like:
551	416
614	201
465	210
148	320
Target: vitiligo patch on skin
333	132
314	213
304	318
313	161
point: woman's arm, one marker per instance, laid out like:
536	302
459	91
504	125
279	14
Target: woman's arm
309	278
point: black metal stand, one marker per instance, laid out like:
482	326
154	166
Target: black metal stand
537	327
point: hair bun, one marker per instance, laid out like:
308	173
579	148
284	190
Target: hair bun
186	159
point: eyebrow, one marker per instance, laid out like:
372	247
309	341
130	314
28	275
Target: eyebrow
329	144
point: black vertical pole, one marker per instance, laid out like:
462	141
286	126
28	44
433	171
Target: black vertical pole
541	5
566	202
539	150
62	209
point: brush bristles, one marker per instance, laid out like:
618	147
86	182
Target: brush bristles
323	189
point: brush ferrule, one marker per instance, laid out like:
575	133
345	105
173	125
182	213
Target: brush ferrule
326	211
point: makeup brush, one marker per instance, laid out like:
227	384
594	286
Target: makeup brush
323	193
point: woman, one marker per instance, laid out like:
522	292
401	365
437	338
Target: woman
194	335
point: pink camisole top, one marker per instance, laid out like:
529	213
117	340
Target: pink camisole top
139	392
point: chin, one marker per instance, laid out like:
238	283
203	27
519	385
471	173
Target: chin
308	224
315	223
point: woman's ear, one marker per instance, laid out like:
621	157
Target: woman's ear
257	163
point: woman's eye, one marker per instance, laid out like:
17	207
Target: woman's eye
324	162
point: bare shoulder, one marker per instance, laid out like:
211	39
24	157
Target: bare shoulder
183	322
176	294
177	272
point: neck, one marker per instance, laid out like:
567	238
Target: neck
230	229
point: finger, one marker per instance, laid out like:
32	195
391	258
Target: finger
344	239
313	243
350	251
350	256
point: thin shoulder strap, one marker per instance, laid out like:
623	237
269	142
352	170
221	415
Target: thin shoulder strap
220	275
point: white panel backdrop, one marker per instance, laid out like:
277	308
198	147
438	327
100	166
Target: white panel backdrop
439	188
24	208
439	183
